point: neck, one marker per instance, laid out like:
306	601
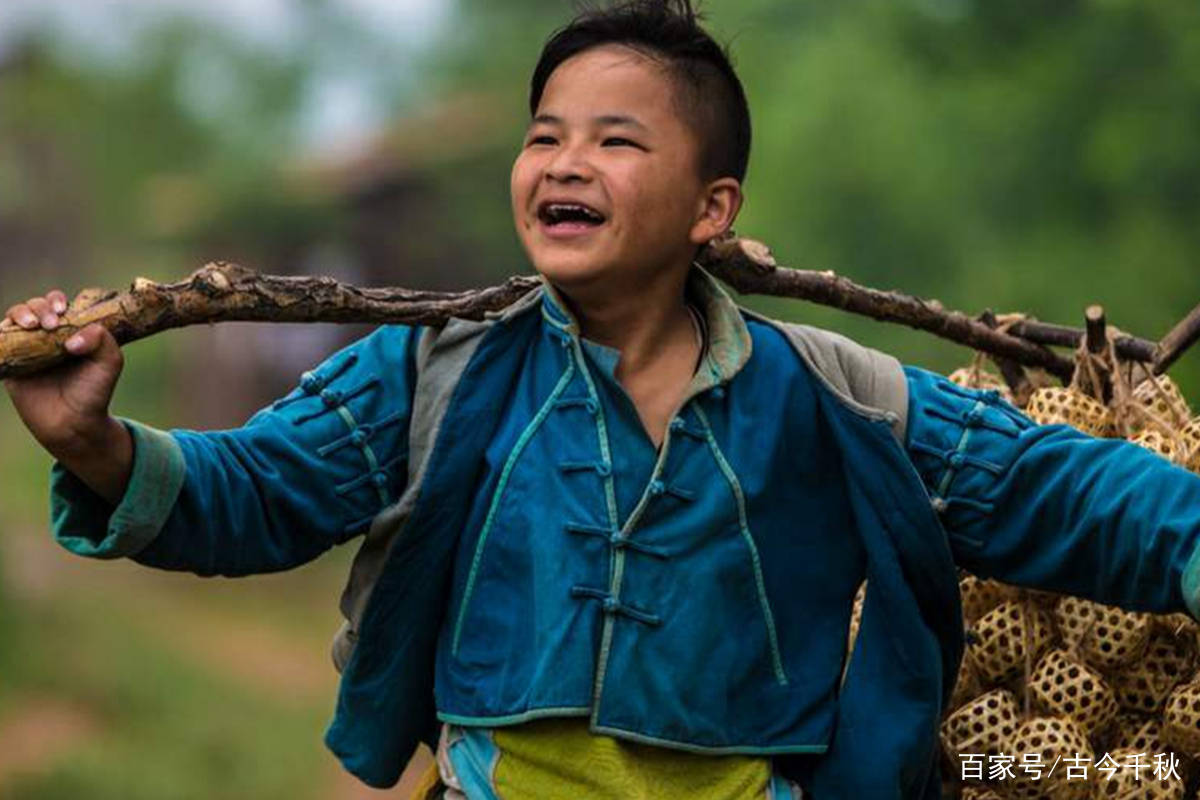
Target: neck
641	322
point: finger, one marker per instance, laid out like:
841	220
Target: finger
85	341
58	300
46	315
21	315
94	340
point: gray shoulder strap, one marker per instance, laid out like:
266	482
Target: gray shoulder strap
869	382
442	356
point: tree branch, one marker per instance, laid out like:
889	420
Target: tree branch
748	274
222	292
1130	348
1096	338
1178	339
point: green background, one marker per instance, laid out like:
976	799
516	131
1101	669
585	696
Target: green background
1020	156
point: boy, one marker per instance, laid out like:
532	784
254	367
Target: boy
612	534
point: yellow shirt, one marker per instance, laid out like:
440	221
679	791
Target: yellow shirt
560	757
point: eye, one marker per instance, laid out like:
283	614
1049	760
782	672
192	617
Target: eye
541	139
618	141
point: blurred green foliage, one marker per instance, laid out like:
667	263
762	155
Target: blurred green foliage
1023	156
155	723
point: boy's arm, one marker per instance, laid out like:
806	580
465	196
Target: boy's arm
306	473
1048	507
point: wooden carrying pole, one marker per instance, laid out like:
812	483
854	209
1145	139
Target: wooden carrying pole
223	292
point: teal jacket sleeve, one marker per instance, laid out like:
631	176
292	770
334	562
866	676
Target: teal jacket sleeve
308	472
1048	507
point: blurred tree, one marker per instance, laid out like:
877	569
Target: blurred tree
1025	155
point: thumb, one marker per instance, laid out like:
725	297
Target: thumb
96	341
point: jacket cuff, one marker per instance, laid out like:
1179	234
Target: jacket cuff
87	525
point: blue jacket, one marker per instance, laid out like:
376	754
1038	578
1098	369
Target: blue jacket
528	552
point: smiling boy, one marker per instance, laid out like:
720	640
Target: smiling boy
612	534
611	136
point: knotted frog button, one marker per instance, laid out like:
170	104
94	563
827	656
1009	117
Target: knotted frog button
311	382
331	398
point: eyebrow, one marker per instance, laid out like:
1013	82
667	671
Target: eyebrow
603	119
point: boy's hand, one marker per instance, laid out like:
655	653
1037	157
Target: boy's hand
66	408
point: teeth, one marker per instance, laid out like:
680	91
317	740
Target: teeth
555	211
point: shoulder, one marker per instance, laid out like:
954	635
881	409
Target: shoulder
867	381
444	352
388	354
942	411
465	334
367	378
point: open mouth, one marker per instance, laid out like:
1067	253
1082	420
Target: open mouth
569	216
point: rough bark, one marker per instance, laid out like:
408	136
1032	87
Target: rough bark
1130	348
225	292
1177	340
222	292
749	272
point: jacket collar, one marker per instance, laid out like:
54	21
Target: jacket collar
729	343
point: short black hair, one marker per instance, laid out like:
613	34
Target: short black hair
709	96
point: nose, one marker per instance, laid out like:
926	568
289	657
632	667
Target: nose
569	163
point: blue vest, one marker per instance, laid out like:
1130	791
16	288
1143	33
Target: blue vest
701	603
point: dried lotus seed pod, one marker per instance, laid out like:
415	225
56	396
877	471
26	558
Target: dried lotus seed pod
1181	719
1139	733
1065	686
1158	443
1177	624
984	725
1105	636
1055	739
1164	401
1055	405
1191	437
1120	731
1144	685
998	641
980	595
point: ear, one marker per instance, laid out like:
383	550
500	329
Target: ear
716	210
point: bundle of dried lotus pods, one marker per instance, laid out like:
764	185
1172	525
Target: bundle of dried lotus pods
1056	405
1054	677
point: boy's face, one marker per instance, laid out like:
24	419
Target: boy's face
606	135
